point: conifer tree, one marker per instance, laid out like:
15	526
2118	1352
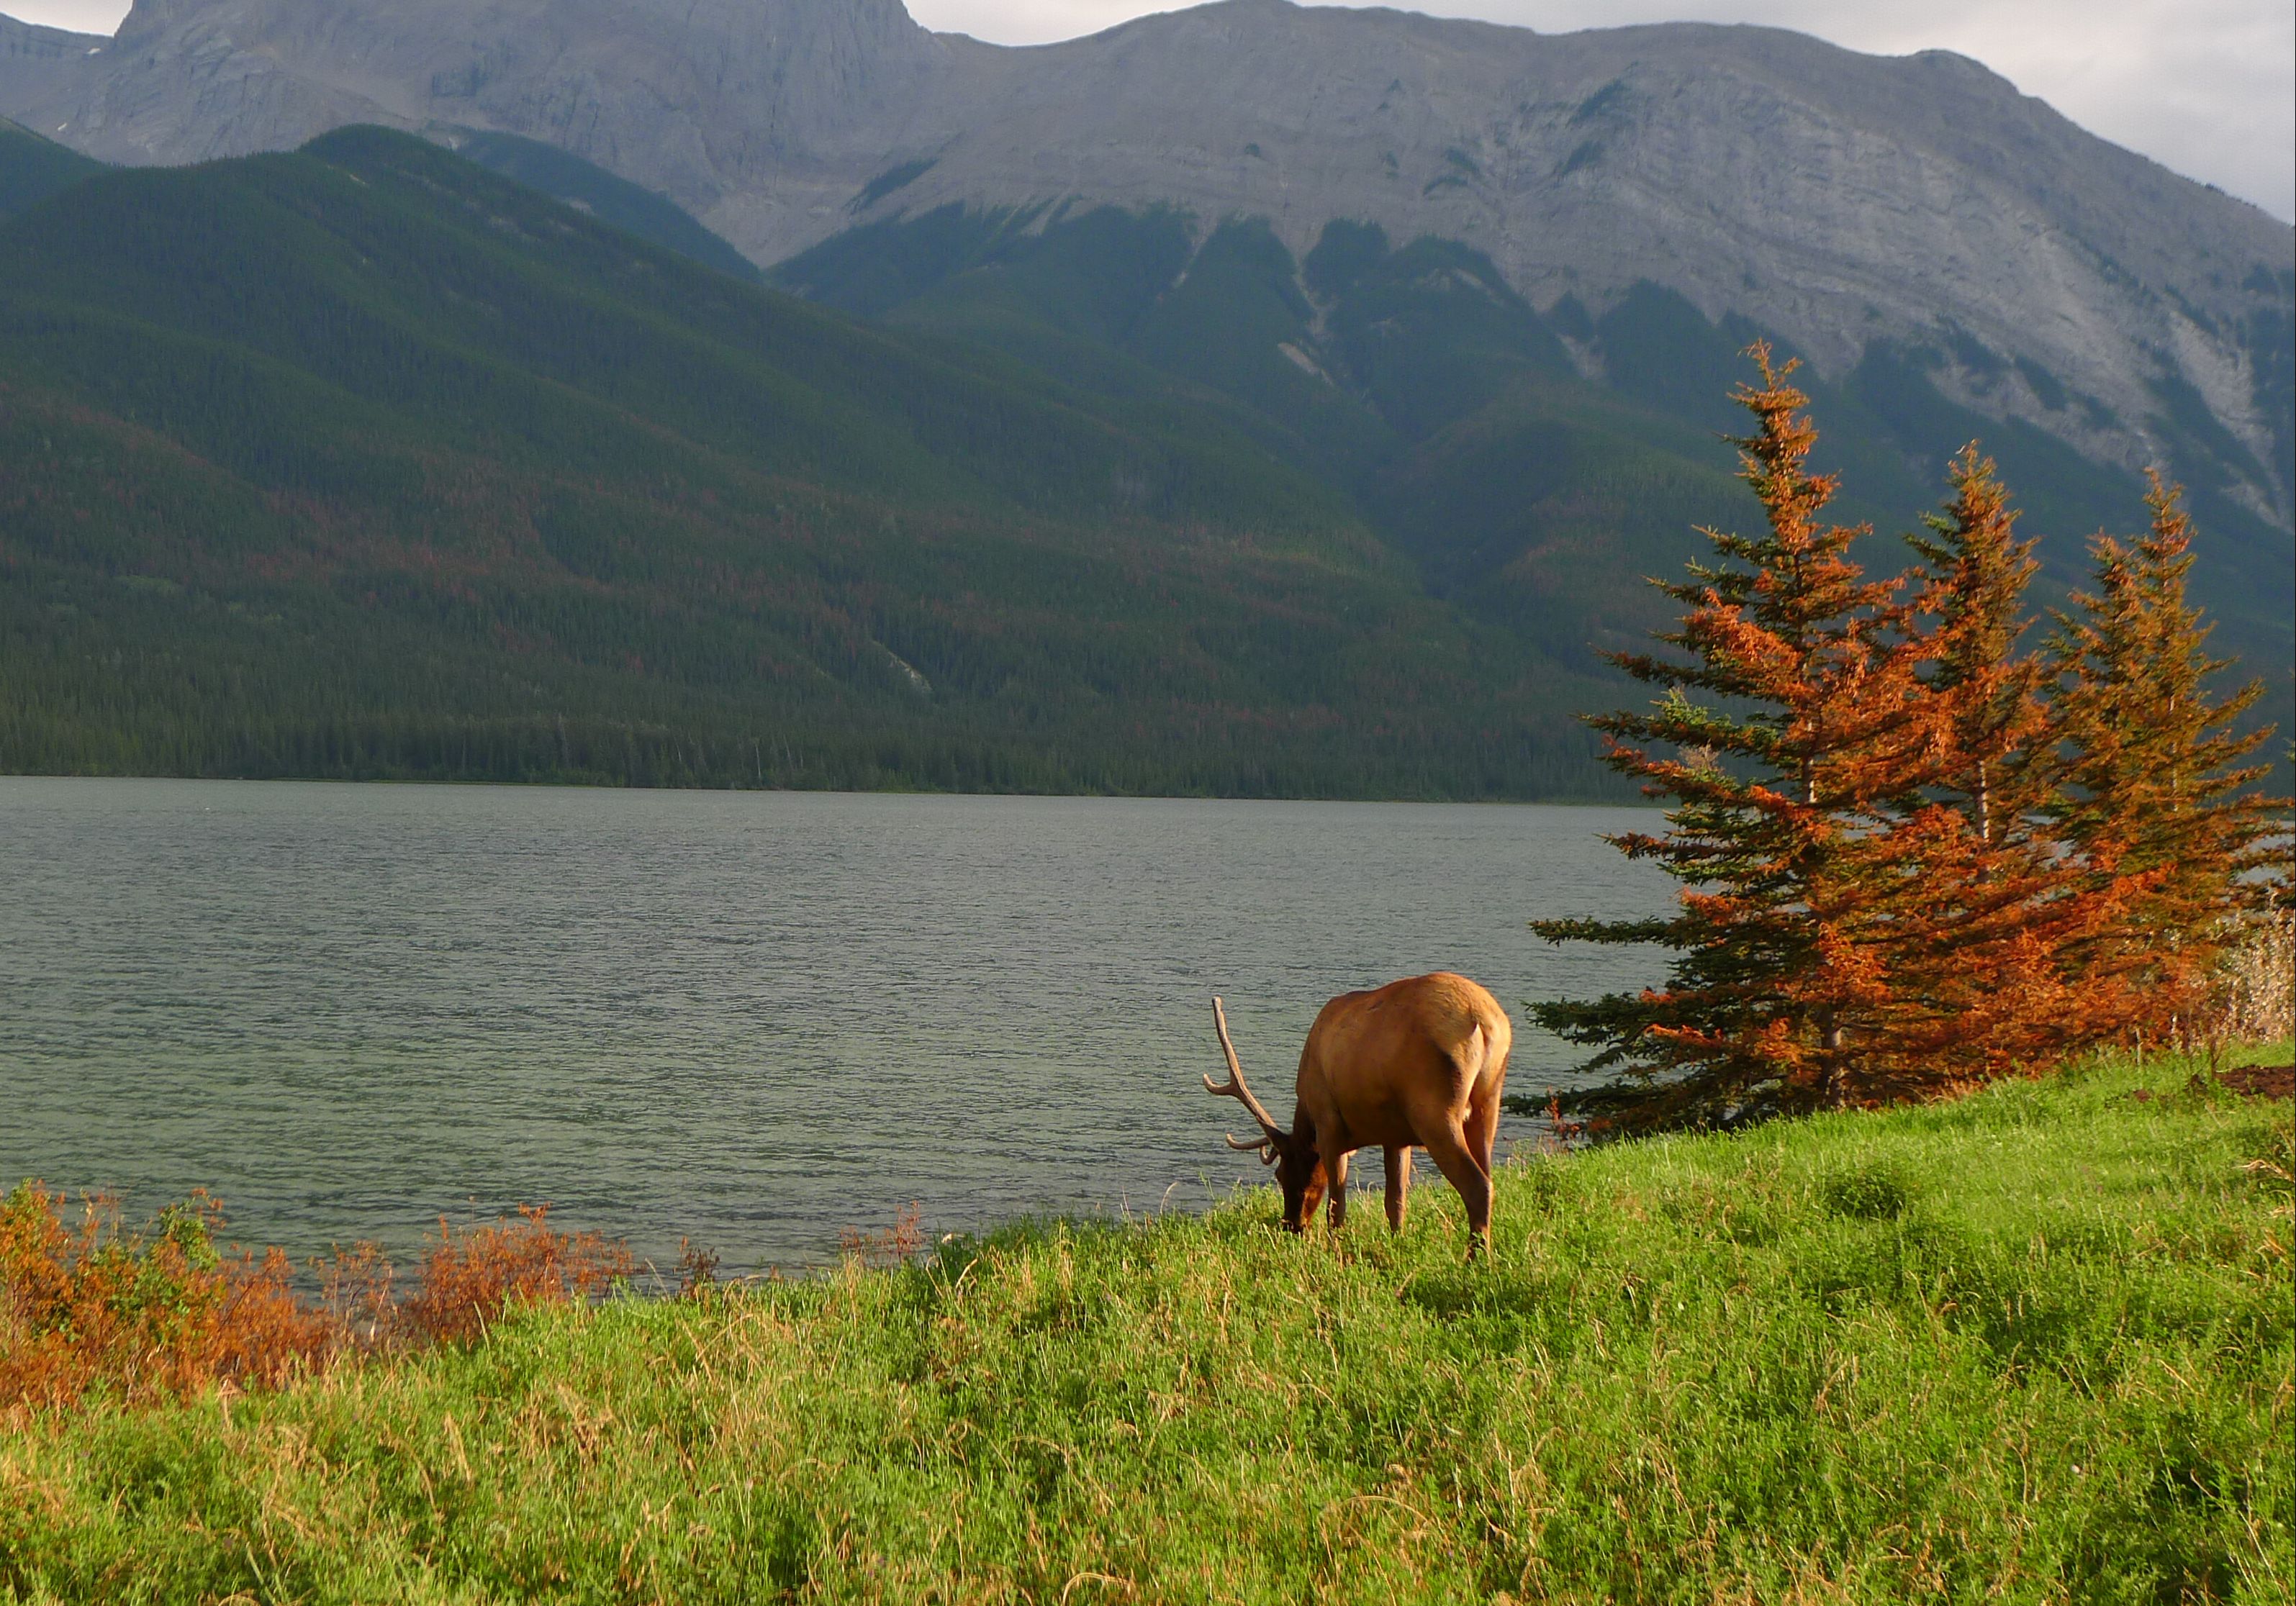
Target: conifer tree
1783	785
1989	694
1987	908
2151	786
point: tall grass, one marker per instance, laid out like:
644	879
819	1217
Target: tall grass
2253	995
2034	1345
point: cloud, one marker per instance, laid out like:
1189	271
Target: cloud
81	16
2206	87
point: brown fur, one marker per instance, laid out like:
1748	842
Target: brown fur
1418	1062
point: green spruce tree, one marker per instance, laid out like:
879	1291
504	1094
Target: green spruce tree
1805	740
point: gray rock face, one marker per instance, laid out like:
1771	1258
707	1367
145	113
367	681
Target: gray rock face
34	60
1834	197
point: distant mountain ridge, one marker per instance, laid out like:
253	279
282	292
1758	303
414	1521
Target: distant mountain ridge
1841	199
34	58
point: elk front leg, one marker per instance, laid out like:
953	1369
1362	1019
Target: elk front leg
1399	1185
1336	1169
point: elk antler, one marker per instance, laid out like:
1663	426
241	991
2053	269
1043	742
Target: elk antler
1235	1088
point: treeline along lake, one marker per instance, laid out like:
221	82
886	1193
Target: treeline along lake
752	1019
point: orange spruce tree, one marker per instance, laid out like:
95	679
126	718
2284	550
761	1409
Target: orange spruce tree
1818	737
1987	908
2151	786
1989	708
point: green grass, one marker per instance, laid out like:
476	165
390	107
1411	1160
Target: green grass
2034	1345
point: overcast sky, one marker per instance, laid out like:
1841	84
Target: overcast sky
2206	87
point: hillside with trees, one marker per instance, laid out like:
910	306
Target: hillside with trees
33	168
1412	378
366	462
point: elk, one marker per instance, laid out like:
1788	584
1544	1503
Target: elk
1421	1061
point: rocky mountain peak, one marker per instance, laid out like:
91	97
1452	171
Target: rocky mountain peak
1839	199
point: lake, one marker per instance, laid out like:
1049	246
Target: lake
750	1018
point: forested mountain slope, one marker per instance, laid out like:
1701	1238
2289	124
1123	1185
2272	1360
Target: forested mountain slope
1414	379
590	190
363	460
32	168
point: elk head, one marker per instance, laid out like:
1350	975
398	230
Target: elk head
1298	1169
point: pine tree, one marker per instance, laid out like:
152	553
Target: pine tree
1783	788
2151	786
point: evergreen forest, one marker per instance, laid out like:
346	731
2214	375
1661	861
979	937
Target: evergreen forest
374	460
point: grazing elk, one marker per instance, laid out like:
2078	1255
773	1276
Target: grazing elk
1418	1061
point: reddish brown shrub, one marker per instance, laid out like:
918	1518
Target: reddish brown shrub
95	1307
901	1242
154	1313
697	1269
469	1278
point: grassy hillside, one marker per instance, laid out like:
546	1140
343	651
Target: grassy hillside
366	462
2032	1346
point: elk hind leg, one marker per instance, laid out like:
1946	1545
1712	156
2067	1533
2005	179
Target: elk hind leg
1447	1146
1399	1185
1482	1127
1483	1076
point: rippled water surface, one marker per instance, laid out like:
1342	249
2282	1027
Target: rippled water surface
752	1019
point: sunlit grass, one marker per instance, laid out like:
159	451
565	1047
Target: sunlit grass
2034	1345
